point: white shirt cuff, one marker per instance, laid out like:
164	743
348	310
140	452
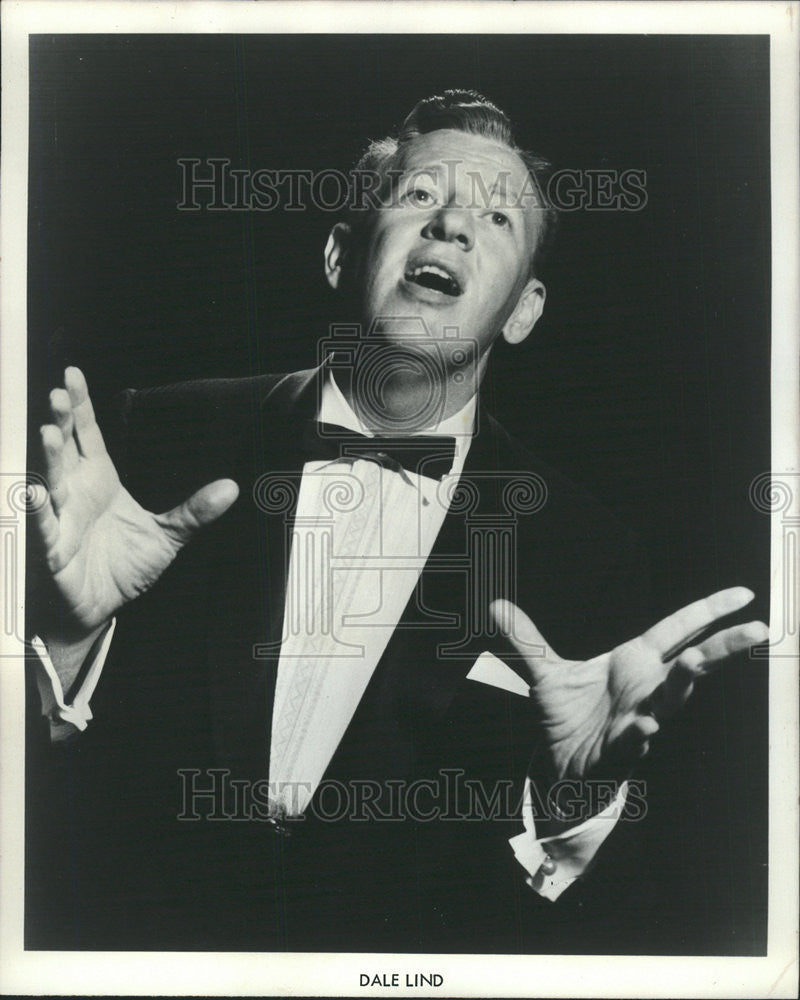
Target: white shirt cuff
66	719
554	863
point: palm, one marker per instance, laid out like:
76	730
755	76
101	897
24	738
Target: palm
102	548
596	716
108	548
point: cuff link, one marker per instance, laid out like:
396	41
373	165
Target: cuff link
548	866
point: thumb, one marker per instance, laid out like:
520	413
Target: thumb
524	637
202	508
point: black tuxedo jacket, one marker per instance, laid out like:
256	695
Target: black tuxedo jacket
186	695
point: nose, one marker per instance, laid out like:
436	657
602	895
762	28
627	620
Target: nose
451	224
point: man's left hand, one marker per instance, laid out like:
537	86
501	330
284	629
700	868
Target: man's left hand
597	716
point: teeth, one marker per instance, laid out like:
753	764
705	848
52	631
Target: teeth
430	269
415	273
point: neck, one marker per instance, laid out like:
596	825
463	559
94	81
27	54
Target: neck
407	398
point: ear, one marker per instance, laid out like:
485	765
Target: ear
527	311
335	252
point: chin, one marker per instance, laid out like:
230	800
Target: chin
404	327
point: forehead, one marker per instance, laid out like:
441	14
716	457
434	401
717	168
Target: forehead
465	153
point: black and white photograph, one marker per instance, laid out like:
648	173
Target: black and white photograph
400	489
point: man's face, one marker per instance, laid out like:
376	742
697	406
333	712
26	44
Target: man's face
453	243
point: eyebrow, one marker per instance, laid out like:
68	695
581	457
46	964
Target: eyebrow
501	186
509	191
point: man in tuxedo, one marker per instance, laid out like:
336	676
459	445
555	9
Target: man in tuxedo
322	716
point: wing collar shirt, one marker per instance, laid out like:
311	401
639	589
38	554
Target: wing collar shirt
362	534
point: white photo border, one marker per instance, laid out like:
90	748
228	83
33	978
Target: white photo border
212	974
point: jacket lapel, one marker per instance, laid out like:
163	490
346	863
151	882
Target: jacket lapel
471	564
250	558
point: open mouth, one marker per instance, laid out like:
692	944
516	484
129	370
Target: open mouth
434	277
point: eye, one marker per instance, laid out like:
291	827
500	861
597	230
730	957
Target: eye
500	219
419	197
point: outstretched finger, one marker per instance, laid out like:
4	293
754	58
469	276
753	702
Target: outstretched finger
671	634
202	508
89	438
697	661
53	450
524	637
716	649
61	410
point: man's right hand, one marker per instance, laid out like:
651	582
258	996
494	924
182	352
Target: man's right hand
101	548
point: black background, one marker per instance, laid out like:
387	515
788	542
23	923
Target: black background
647	380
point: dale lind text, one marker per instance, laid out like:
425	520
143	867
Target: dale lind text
393	979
